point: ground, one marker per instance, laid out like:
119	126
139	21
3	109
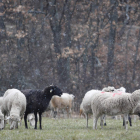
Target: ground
73	129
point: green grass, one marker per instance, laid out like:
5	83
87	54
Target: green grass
73	129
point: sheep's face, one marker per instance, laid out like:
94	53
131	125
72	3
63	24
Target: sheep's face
13	120
122	89
136	96
53	90
32	120
1	122
72	96
108	89
137	110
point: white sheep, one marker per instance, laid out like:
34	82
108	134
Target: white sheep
121	89
112	89
31	119
14	106
70	97
64	102
85	107
114	104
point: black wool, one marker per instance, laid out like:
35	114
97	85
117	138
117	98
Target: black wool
38	101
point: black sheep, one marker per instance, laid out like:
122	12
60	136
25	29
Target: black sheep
38	100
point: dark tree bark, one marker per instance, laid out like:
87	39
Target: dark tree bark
55	18
2	25
111	44
126	61
135	58
68	17
55	23
93	40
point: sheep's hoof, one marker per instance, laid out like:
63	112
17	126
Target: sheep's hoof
104	124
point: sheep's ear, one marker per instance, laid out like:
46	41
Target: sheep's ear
51	90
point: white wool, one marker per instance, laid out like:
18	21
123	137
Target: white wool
31	119
114	104
1	115
86	103
112	89
64	102
1	101
85	107
68	96
14	104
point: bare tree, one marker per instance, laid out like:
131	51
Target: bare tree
111	42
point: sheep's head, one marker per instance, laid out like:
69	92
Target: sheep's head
52	90
108	89
137	110
136	96
121	89
1	121
31	119
72	96
13	120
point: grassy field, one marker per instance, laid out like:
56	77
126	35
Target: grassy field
73	129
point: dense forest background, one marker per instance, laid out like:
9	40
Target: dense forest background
77	45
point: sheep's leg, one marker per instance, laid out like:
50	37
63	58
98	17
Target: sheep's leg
70	112
101	123
52	113
87	119
126	121
135	118
55	112
5	120
35	113
25	120
67	112
21	119
95	119
40	119
16	125
129	118
63	112
120	117
104	118
123	121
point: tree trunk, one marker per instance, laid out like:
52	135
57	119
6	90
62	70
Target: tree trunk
111	44
2	25
135	58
